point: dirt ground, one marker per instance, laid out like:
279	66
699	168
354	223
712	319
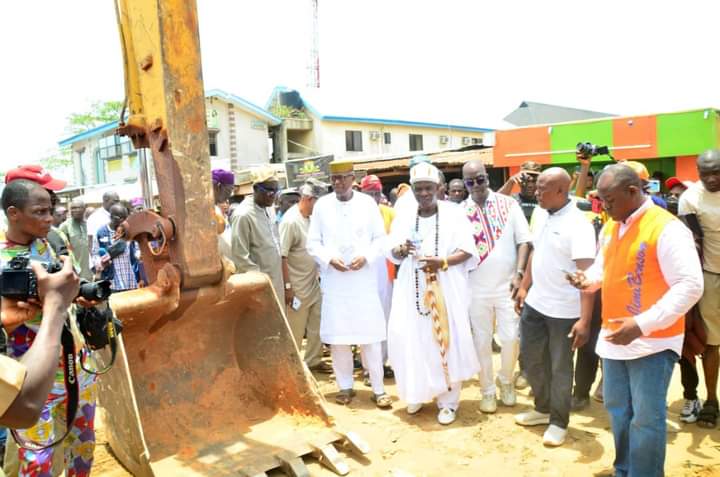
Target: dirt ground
479	444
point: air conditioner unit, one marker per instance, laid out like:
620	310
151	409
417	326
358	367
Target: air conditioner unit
466	141
444	139
374	135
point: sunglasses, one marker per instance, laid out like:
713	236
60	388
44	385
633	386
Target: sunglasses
479	180
267	190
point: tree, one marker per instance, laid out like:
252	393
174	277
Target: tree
101	112
58	159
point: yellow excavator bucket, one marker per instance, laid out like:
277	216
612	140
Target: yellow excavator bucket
215	388
208	380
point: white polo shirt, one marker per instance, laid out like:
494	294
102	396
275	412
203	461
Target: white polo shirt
558	239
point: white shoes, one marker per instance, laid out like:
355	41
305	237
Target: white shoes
507	394
488	403
446	416
413	408
532	418
691	409
554	436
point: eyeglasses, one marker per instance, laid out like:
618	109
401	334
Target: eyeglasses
340	177
267	190
479	180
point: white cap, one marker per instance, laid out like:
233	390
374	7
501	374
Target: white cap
424	172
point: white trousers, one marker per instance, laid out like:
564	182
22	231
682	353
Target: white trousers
342	362
449	399
485	313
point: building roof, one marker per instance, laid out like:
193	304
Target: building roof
254	110
531	113
261	113
400	162
111	126
355	109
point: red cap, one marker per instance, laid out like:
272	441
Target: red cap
371	183
672	182
36	174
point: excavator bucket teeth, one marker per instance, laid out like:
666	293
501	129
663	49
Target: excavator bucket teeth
214	388
292	465
328	456
352	442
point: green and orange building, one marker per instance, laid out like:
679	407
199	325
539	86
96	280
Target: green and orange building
667	142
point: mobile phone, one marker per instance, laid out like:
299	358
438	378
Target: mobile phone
654	186
296	303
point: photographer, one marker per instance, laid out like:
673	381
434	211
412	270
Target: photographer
25	384
527	180
27	206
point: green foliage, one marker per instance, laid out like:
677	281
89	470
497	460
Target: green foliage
101	112
283	111
58	160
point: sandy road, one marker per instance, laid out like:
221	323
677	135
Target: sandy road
488	445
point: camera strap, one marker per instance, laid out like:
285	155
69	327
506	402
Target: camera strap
112	340
72	392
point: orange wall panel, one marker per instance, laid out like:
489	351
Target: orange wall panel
686	169
518	141
639	130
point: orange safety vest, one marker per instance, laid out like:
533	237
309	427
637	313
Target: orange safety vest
632	279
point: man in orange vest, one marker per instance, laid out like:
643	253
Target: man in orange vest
649	276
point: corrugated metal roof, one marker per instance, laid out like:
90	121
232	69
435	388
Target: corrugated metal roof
530	113
444	158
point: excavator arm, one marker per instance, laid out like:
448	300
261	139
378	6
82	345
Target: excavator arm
208	379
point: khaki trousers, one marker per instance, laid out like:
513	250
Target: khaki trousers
306	322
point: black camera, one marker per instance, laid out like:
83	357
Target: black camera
590	149
18	282
98	326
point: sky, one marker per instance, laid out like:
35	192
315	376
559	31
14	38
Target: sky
460	62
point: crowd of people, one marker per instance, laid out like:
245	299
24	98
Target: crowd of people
565	277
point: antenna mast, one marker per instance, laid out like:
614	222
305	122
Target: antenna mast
314	66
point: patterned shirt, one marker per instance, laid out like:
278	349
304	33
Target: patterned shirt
123	272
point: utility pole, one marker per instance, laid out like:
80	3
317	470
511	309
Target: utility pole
314	64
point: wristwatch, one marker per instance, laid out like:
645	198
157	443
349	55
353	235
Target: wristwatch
288	286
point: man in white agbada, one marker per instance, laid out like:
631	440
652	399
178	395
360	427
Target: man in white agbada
345	239
430	344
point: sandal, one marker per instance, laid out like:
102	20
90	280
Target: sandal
345	396
708	415
322	367
383	401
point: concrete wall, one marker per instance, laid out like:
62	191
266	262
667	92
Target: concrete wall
241	137
329	138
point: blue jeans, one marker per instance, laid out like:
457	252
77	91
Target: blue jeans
635	392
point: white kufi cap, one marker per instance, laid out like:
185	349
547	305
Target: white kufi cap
424	172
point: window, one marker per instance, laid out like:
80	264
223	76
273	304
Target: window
212	142
387	137
416	143
353	141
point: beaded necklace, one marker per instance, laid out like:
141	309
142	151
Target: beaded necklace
437	249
